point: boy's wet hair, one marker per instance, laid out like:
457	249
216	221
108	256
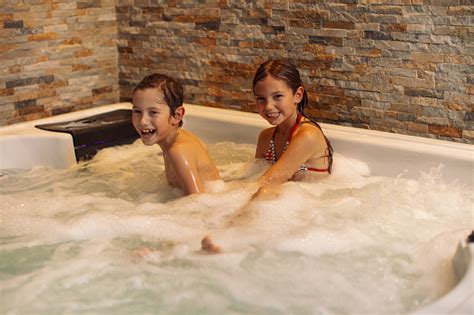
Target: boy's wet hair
285	70
171	89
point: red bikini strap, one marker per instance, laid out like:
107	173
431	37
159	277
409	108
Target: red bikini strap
295	126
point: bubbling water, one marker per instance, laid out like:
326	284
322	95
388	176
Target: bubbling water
72	241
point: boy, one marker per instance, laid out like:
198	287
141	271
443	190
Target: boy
157	115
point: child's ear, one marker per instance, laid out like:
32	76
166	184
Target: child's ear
299	94
178	114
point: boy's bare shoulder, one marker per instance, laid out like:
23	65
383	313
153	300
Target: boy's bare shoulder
181	146
186	142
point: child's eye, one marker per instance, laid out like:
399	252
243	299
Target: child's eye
260	100
136	111
278	96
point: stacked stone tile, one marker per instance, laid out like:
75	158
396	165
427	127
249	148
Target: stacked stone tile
56	56
403	66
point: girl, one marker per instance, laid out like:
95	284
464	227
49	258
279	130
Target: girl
295	145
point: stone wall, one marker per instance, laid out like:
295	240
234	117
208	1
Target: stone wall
403	66
56	56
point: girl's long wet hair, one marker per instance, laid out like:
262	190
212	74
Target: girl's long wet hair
171	89
285	70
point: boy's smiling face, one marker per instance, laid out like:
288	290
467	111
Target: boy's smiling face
151	117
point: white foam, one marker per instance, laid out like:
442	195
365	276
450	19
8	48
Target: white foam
304	250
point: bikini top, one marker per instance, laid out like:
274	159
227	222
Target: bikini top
270	154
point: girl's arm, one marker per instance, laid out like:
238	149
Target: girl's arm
306	142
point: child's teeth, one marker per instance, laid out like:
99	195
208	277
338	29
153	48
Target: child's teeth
147	131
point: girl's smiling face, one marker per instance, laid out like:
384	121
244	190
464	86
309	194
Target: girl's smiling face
151	117
275	100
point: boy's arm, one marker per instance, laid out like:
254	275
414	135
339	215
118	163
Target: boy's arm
185	168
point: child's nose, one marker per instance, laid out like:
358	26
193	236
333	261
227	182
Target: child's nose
144	120
269	104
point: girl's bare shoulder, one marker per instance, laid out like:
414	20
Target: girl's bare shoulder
310	132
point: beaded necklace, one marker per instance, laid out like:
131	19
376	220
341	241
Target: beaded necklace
270	155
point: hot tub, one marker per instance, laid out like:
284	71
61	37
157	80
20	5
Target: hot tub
23	146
